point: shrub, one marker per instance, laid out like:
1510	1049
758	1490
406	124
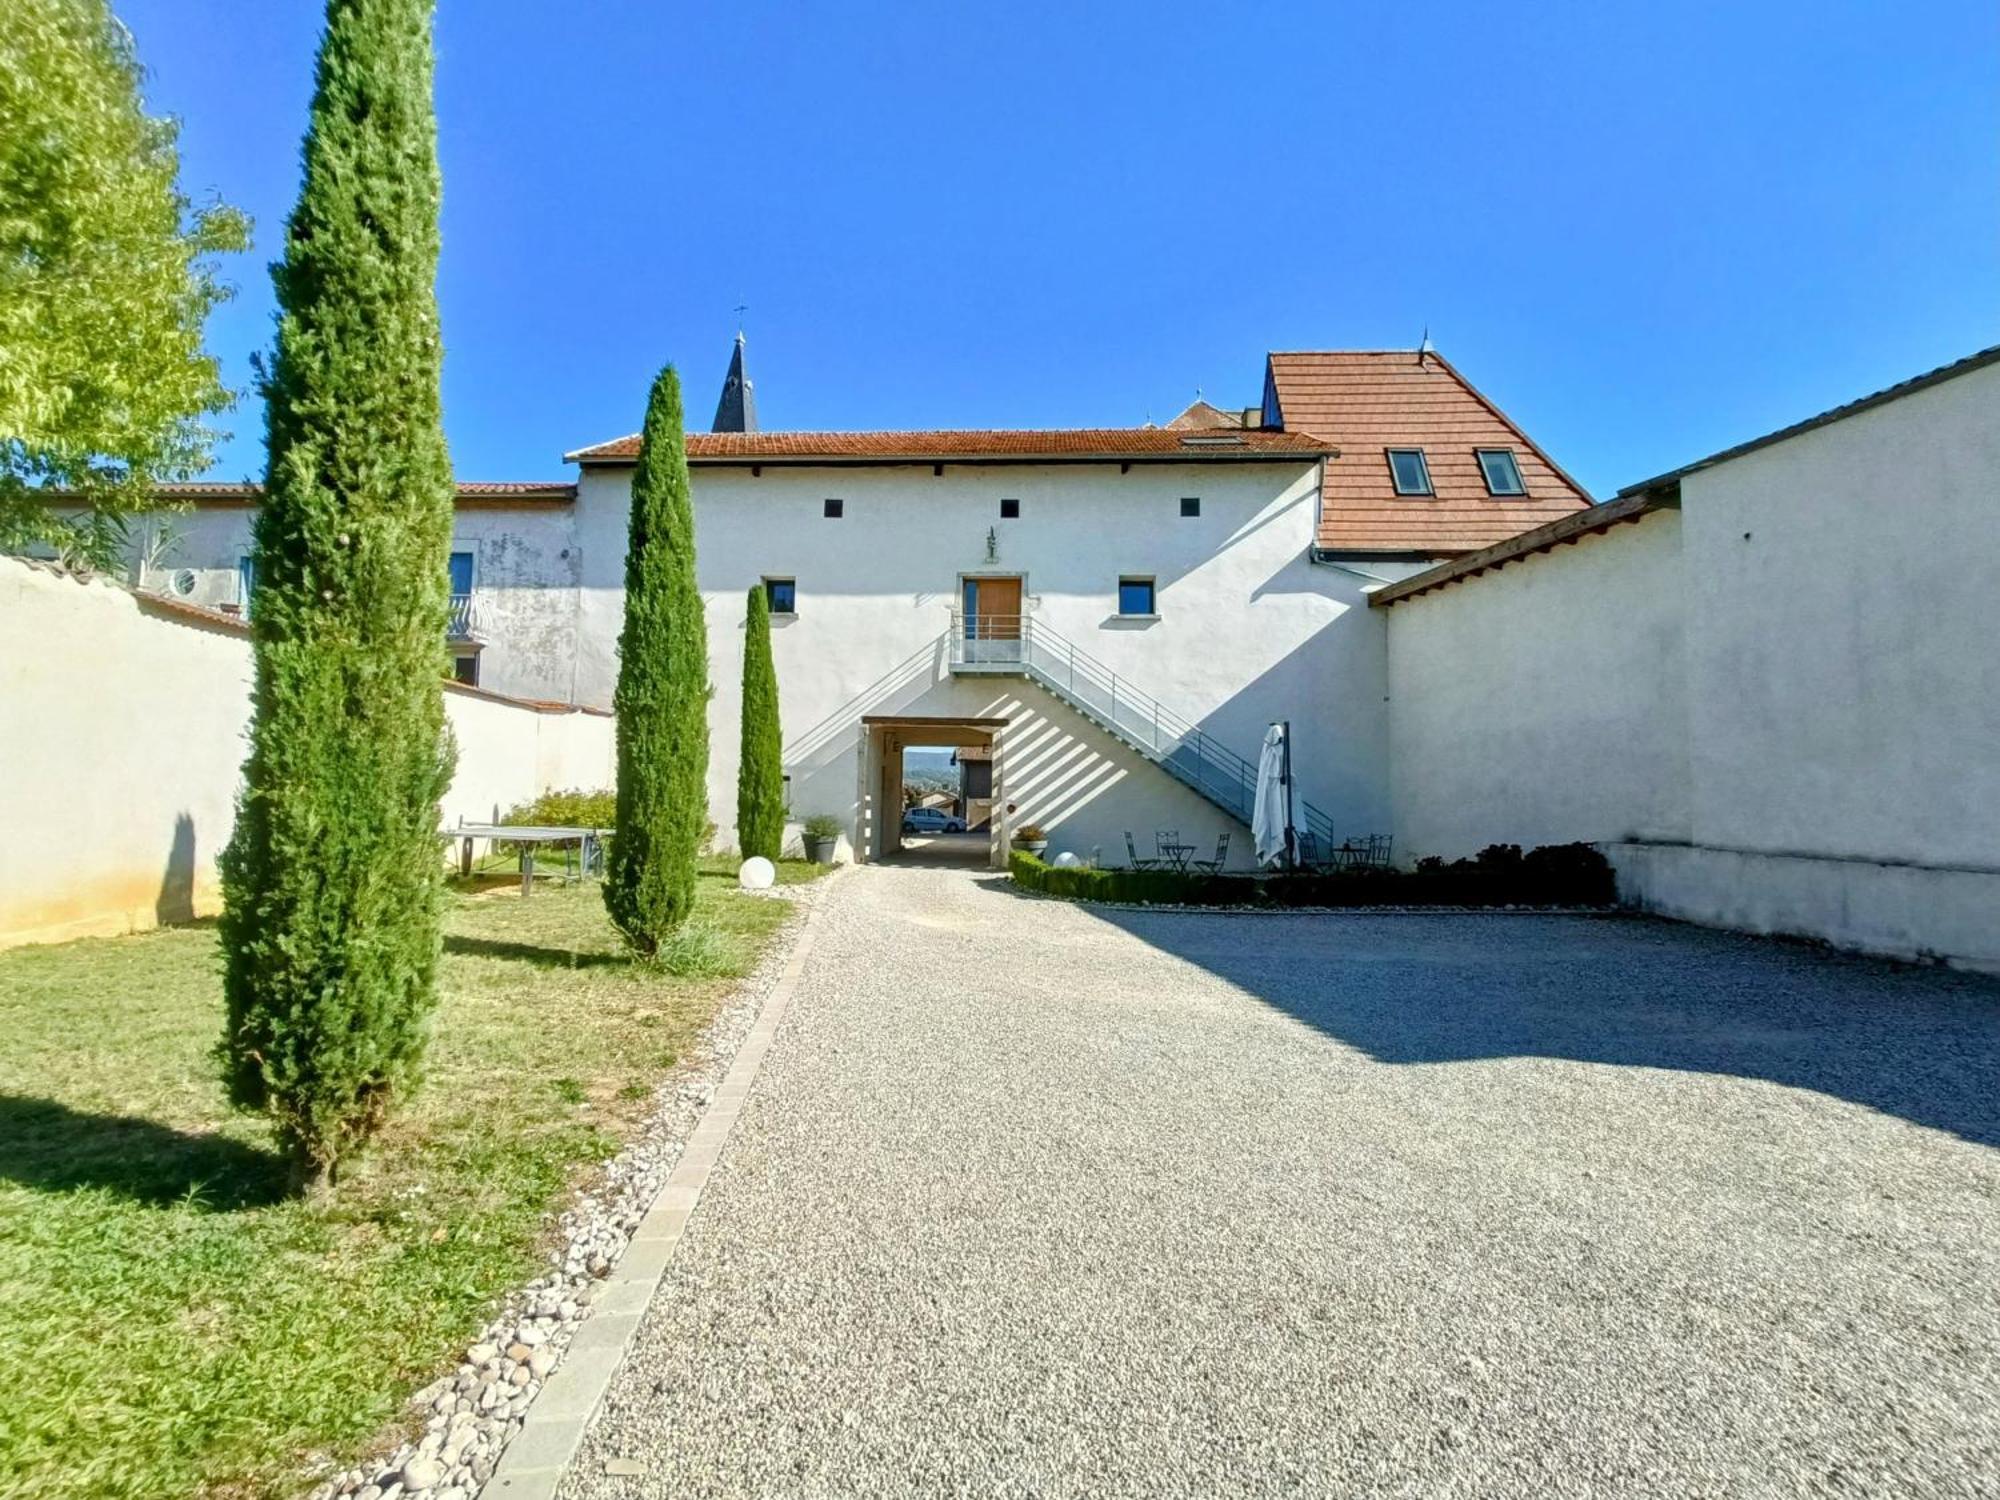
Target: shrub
760	773
332	881
574	808
1559	875
822	826
662	695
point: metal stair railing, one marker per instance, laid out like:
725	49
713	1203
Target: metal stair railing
1182	748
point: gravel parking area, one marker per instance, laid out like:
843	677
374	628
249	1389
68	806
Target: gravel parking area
1036	1200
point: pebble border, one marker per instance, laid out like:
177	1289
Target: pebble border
508	1420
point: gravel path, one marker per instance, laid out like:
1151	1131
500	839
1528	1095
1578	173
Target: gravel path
1031	1200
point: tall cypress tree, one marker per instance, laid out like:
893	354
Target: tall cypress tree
760	773
333	879
662	695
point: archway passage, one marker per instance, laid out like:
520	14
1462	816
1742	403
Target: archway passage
968	826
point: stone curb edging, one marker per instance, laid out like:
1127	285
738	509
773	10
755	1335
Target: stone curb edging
534	1463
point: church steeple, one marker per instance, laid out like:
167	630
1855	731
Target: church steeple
737	410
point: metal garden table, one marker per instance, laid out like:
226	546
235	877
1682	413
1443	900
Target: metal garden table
588	842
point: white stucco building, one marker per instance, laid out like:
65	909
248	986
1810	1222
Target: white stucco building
1118	613
1766	683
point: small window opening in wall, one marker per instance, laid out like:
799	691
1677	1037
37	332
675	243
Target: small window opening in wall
1010	510
1135	596
1190	505
1503	474
835	508
465	669
782	594
1408	470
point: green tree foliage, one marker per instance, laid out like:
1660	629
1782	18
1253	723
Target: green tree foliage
760	773
662	695
105	283
333	881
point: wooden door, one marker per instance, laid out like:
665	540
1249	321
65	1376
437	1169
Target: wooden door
993	609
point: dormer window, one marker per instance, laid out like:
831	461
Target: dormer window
1410	474
1503	474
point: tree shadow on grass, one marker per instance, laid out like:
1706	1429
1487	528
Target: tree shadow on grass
52	1148
533	953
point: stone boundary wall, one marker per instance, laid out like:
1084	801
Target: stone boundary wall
123	723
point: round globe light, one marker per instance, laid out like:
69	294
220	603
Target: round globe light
757	874
1065	861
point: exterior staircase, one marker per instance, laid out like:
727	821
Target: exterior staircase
1021	646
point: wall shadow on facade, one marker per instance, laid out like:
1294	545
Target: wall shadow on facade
1920	1044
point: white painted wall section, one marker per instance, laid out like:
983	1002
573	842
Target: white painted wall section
122	741
1546	702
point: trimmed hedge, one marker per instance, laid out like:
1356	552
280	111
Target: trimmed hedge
1553	875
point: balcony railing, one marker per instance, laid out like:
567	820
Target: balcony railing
1016	643
461	622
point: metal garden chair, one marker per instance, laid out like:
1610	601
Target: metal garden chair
1214	866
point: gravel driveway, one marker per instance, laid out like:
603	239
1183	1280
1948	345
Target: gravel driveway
1035	1200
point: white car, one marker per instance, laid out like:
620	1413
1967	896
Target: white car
931	820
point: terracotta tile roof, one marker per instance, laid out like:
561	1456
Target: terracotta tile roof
1200	414
1066	445
1366	401
1590	521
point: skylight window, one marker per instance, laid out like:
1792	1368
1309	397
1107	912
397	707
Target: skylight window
1411	475
1503	474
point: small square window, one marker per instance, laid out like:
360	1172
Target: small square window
1412	476
465	669
1503	474
1135	596
1010	510
782	594
835	508
1190	505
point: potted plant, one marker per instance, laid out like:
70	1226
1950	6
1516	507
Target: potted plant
1030	838
822	833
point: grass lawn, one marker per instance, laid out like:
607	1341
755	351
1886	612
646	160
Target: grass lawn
173	1326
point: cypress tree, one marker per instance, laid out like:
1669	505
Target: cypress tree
760	773
332	881
662	695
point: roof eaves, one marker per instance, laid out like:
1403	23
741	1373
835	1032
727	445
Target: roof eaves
1910	387
1562	531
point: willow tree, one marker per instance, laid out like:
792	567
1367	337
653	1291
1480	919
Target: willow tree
333	879
662	696
760	769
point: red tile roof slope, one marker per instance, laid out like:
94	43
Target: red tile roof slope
1108	444
1366	401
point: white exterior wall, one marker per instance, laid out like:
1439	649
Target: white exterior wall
1545	702
1844	636
122	742
1249	629
1836	601
524	577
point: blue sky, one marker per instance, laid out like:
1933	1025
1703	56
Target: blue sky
1646	231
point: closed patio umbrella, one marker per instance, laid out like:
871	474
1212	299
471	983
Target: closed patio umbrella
1270	815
